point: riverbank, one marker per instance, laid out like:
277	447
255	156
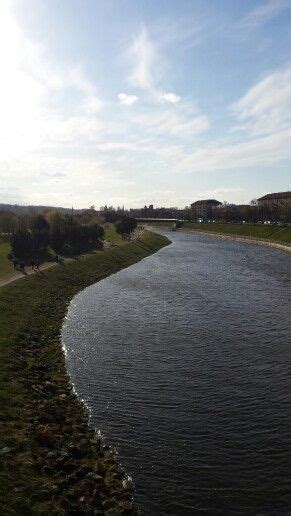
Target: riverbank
237	238
252	232
271	236
52	462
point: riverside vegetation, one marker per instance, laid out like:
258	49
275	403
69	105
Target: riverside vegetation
280	234
272	233
52	462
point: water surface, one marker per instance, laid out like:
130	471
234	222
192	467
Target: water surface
182	359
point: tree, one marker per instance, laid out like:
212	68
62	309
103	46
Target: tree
57	239
58	231
40	234
8	222
39	223
22	244
125	226
96	232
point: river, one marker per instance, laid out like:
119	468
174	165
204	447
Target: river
182	359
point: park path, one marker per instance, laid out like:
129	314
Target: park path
16	275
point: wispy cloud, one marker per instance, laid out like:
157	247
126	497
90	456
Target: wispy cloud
264	13
64	139
173	123
145	57
147	67
32	92
266	151
266	107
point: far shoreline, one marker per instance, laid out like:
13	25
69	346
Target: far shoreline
250	240
228	236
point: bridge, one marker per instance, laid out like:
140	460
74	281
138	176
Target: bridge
153	219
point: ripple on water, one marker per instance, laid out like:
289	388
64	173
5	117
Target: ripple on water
182	360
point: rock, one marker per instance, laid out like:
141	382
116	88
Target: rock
107	504
50	386
52	455
127	483
5	450
18	489
95	477
47	470
95	442
45	494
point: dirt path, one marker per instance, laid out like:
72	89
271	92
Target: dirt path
16	275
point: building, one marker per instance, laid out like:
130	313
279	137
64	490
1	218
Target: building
203	208
275	200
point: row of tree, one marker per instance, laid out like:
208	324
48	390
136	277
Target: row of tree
62	233
34	236
251	213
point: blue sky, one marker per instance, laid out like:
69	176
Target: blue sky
133	102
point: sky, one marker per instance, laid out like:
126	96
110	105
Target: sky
137	102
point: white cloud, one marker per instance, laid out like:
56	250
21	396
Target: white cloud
113	146
127	100
145	57
170	97
265	12
172	123
266	150
148	67
266	107
60	144
32	92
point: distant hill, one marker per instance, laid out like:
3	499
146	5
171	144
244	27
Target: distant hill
20	210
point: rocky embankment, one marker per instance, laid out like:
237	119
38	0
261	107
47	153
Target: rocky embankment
80	473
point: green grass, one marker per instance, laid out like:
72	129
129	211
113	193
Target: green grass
273	233
6	267
111	235
49	456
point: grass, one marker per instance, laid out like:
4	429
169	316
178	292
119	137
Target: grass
6	267
51	461
111	235
279	234
272	233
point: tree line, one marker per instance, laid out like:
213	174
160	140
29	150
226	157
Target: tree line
37	235
33	237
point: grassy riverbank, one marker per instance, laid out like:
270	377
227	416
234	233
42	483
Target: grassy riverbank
279	234
272	233
51	461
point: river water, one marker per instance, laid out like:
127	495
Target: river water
182	359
